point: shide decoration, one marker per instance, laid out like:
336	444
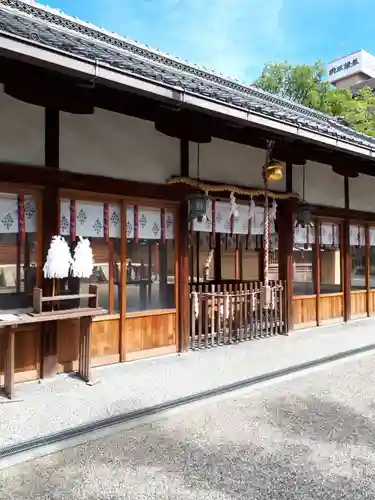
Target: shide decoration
83	261
272	171
59	263
59	259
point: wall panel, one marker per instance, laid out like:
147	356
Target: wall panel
117	146
322	185
229	162
361	193
21	131
304	312
26	355
151	331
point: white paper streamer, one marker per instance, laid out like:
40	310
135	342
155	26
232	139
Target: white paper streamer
59	259
83	261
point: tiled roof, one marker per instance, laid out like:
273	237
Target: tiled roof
54	29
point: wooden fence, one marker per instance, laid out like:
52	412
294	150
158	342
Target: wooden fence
231	312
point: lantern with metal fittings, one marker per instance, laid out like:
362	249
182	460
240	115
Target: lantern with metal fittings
272	171
198	207
304	216
197	203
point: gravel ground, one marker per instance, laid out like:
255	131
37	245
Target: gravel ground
310	438
65	401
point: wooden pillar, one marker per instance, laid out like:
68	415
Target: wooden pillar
317	263
346	260
367	268
49	365
286	235
183	267
217	258
123	279
285	231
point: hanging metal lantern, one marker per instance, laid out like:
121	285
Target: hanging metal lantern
304	217
198	207
273	171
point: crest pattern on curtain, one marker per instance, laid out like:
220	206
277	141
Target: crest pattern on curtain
241	221
10	214
148	222
89	219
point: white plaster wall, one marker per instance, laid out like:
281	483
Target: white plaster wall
117	146
322	185
362	193
21	131
230	163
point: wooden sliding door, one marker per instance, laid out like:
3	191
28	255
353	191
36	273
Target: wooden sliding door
304	278
330	263
318	296
357	268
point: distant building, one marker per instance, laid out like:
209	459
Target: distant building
354	71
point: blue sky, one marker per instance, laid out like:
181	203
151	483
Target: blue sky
237	37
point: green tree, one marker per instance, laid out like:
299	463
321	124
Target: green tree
308	85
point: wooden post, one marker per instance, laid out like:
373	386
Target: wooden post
367	268
285	231
346	259
9	361
123	340
217	258
317	253
183	282
346	268
84	371
183	261
51	223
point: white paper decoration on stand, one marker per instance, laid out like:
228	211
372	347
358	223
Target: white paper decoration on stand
83	261
59	259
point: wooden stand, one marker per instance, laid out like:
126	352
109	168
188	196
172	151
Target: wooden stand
39	300
84	314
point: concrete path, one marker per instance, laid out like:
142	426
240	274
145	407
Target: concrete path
310	438
65	402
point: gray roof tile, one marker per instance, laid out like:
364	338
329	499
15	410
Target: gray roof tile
54	29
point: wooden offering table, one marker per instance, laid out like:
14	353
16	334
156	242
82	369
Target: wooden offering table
10	323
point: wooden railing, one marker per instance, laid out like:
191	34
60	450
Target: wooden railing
233	312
